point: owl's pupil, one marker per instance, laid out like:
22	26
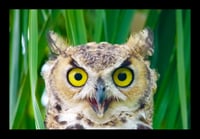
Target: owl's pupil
122	76
78	76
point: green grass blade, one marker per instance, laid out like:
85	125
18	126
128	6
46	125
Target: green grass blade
64	13
75	26
44	26
118	25
153	18
22	96
155	57
112	17
69	25
165	39
105	26
162	95
181	68
160	110
33	54
80	27
164	62
24	42
44	15
187	52
14	64
124	25
152	22
173	111
21	103
187	42
98	25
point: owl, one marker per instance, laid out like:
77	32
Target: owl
100	85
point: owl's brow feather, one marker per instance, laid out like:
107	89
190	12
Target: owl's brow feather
126	63
74	63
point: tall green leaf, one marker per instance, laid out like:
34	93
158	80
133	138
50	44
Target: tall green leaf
98	24
14	63
33	54
75	26
181	68
118	23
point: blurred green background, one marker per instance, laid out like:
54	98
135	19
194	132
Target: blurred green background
28	51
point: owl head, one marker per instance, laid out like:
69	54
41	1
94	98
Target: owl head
100	80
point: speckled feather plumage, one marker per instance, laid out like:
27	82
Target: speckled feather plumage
129	107
99	56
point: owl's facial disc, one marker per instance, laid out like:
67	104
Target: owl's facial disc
100	102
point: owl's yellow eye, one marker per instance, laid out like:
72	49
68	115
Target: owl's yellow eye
123	77
77	77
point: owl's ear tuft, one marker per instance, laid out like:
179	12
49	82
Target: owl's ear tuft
142	42
56	43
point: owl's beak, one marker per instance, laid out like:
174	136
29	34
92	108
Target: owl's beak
100	102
